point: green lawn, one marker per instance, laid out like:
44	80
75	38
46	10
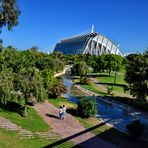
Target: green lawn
104	77
107	80
11	139
60	101
33	122
92	87
76	92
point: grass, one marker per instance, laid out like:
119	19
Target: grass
76	92
107	80
32	122
92	87
104	77
11	139
60	101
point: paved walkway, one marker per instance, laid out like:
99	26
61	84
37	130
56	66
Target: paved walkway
69	128
63	72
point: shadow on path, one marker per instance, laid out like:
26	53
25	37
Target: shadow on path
122	140
74	136
52	116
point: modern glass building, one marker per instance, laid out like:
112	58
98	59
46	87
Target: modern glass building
92	43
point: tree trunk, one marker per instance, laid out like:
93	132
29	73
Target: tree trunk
109	72
115	78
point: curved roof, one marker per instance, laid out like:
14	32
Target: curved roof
93	43
78	37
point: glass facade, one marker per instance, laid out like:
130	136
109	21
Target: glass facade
92	43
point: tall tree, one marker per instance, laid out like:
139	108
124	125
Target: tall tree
80	69
9	13
29	81
137	75
99	64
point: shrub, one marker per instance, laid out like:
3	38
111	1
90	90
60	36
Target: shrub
56	90
110	90
87	107
84	80
135	129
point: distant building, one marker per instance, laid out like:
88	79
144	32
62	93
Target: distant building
91	43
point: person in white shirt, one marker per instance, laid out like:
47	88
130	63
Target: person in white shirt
64	111
60	112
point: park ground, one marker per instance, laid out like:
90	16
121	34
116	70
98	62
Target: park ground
42	127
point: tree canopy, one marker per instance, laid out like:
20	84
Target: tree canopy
137	75
26	74
9	13
79	69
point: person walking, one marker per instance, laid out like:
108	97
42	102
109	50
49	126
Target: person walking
64	111
60	112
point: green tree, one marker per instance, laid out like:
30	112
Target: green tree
54	86
46	62
118	65
87	58
6	85
11	58
48	77
100	64
114	63
29	81
80	69
28	74
59	65
9	13
137	75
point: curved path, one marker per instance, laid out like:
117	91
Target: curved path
63	72
70	129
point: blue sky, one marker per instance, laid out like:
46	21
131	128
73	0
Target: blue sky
45	22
